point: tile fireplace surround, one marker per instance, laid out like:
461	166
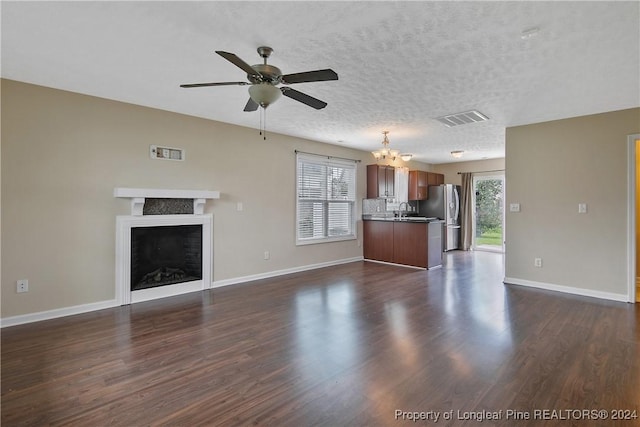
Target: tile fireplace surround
124	224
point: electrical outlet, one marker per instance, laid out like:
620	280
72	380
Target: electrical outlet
22	286
537	262
267	255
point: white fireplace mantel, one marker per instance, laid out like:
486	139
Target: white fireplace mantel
138	196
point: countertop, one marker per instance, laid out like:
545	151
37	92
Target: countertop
400	219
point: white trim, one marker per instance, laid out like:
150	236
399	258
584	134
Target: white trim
398	265
58	312
486	176
566	289
158	193
631	216
268	274
124	224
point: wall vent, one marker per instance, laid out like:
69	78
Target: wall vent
458	119
166	153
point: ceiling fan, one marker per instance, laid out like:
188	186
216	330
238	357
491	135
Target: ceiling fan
264	79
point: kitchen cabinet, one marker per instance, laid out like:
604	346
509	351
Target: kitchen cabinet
378	240
435	178
418	244
410	243
418	182
380	181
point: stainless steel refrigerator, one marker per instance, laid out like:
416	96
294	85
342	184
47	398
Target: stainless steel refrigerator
444	203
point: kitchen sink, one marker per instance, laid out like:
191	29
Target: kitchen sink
416	219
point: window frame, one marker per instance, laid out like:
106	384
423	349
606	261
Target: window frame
326	201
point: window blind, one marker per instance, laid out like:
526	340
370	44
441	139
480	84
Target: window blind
325	199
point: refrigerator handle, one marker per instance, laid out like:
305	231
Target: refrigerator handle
457	201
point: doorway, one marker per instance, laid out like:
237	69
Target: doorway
488	212
634	214
633	217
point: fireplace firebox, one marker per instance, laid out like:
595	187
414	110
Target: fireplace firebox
165	255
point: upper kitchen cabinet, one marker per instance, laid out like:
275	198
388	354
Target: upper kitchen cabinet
438	178
418	183
380	181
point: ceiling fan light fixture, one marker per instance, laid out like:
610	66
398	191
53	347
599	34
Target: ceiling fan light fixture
264	94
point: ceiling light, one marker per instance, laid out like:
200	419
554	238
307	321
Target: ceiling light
457	153
264	94
385	151
406	156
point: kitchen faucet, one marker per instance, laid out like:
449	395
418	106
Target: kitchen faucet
401	210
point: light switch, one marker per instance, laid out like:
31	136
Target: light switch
514	207
239	206
582	208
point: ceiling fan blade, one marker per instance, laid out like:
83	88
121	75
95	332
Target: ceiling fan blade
231	57
251	105
310	76
216	84
303	97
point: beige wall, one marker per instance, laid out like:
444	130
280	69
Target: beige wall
64	153
550	168
450	170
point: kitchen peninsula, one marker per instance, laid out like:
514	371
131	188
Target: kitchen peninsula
412	241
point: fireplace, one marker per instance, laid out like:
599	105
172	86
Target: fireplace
162	256
160	250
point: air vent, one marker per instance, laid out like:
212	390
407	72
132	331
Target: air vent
166	153
458	119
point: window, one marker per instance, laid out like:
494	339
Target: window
325	199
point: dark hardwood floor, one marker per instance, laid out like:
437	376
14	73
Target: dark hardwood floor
345	345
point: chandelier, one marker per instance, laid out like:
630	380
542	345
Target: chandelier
387	152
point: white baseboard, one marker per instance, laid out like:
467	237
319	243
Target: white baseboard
566	289
85	308
268	274
394	264
58	312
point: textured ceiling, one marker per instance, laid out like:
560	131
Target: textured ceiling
400	64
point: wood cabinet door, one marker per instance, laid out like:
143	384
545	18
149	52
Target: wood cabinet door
417	185
410	243
373	190
389	180
378	240
432	178
380	181
439	179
